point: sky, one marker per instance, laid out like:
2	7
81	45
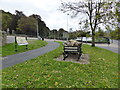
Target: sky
47	9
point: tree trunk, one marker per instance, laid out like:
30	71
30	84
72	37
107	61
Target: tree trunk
93	38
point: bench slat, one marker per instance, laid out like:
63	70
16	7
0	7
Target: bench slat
72	50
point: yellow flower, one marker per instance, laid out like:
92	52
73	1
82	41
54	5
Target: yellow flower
56	83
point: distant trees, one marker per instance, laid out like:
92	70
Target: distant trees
54	34
58	34
115	34
99	33
79	33
23	24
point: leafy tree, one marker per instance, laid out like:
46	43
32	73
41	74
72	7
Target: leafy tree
54	33
27	25
6	19
41	25
14	21
96	11
46	32
60	33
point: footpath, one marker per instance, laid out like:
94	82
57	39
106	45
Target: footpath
21	57
114	47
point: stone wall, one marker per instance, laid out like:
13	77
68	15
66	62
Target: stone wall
3	38
0	38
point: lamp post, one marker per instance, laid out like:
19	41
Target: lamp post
67	27
37	30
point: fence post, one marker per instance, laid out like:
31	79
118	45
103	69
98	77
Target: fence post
15	43
26	40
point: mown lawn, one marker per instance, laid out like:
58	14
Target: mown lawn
45	72
9	49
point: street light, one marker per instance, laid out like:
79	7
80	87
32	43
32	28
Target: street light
67	26
37	31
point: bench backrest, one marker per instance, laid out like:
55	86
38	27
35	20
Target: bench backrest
72	48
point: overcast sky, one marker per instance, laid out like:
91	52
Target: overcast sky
47	9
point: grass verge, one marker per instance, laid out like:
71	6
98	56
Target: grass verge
9	49
45	72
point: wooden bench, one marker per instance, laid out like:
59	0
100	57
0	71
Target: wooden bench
72	49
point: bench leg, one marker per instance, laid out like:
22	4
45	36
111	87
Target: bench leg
79	55
65	55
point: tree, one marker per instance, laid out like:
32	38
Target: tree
46	32
14	21
60	33
41	25
96	12
54	33
6	19
27	25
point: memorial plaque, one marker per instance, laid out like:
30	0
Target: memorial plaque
21	41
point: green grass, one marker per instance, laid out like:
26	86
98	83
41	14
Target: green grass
45	72
9	49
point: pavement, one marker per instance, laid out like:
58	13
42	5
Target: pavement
112	47
21	57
